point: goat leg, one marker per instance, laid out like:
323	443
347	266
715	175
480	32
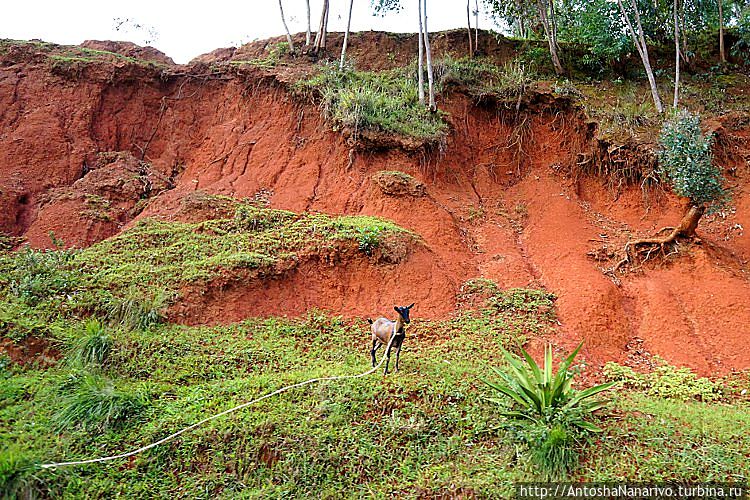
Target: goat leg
387	360
375	346
398	355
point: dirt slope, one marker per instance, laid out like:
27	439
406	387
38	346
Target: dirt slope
86	149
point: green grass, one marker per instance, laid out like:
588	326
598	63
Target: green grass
486	81
381	102
424	430
427	430
657	439
62	57
132	278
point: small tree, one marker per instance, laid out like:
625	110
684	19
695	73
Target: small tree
686	161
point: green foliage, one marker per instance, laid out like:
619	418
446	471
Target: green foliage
17	478
597	26
666	381
37	275
386	102
553	414
369	239
92	347
669	440
685	158
524	300
485	80
138	309
542	396
741	48
93	402
275	53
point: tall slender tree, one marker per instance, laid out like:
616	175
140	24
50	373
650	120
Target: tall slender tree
346	35
676	55
308	33
546	9
428	57
286	28
320	37
420	63
468	27
476	24
722	53
639	40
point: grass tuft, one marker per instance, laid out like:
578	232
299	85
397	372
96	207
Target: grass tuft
93	402
92	347
385	102
138	310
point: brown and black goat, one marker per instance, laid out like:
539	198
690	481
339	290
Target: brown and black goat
383	329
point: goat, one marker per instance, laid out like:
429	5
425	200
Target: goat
383	328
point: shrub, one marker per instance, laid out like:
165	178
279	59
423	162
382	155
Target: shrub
92	347
386	102
93	402
666	381
741	48
482	79
685	158
37	275
369	239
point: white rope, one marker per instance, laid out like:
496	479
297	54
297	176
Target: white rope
213	417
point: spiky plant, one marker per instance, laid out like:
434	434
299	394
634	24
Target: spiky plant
540	394
553	412
92	347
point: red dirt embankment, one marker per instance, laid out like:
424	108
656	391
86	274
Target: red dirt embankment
499	202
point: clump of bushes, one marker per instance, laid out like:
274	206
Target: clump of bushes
484	80
666	381
685	158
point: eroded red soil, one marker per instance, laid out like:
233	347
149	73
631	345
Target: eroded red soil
498	202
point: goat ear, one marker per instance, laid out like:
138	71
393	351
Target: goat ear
395	308
409	307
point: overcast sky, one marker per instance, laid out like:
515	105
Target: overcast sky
186	29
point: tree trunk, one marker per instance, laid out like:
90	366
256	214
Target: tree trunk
684	53
308	34
286	28
428	54
324	40
722	54
639	40
468	28
676	57
690	220
320	37
551	36
476	25
420	63
346	35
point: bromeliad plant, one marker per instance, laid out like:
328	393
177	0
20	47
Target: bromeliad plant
544	397
552	413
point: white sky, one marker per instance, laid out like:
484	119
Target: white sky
187	28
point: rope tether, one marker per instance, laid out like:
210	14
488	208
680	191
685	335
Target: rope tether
213	417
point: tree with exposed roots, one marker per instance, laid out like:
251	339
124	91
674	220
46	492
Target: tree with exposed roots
685	159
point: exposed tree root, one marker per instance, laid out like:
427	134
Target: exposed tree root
645	247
